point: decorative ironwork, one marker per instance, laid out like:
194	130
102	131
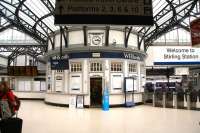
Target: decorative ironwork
40	31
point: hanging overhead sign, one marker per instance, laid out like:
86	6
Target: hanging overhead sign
121	12
195	32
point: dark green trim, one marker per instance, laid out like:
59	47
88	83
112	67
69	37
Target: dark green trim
140	103
41	99
117	106
56	104
86	106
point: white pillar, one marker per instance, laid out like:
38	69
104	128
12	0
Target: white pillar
85	67
32	83
53	81
139	76
66	81
48	74
86	82
16	84
126	68
107	75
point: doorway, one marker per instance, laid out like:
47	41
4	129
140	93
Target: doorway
95	92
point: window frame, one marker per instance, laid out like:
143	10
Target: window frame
118	67
98	64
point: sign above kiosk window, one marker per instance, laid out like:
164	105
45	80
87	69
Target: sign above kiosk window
121	12
121	55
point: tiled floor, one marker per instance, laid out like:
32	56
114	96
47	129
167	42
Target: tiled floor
41	118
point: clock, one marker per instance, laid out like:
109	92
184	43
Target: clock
96	40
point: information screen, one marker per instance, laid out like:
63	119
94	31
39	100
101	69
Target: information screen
22	71
122	12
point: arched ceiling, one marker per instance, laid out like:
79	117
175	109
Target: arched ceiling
35	18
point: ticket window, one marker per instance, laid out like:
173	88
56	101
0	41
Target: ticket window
76	83
116	82
59	84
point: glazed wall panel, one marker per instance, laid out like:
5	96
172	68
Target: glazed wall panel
76	37
49	44
21	60
57	40
133	41
3	61
116	37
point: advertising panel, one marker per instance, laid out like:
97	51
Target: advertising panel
182	71
195	32
129	84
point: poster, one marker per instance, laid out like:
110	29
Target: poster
182	71
27	85
43	86
36	86
116	82
76	82
79	101
195	32
72	102
129	84
21	86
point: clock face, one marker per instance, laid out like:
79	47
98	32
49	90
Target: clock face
96	40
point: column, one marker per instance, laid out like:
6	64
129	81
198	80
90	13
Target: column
126	68
66	81
85	66
107	75
53	81
139	76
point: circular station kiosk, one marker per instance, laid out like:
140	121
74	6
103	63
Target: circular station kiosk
92	59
